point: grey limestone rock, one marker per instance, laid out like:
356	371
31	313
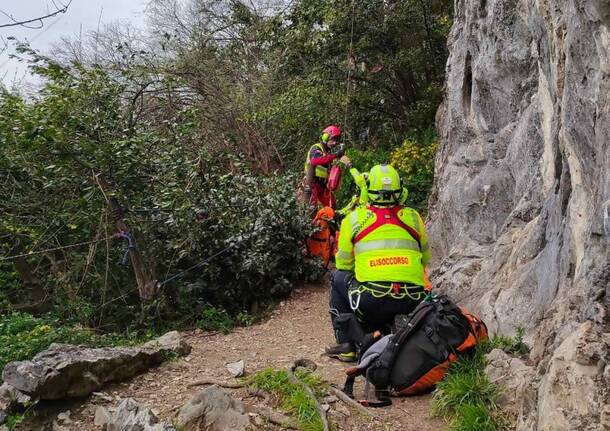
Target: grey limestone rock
237	369
215	410
518	215
74	371
131	416
170	342
11	400
517	380
102	416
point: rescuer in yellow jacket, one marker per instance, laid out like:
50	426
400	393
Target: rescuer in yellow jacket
360	197
381	258
318	166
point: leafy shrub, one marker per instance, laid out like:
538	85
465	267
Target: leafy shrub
232	237
9	285
214	319
514	345
414	160
13	420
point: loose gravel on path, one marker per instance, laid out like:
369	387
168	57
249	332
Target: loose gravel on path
298	328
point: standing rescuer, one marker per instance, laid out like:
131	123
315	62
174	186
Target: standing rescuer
381	258
317	168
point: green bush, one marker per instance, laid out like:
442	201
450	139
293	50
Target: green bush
22	336
9	285
414	160
514	345
235	233
214	319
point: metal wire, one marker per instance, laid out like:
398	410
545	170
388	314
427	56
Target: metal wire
48	250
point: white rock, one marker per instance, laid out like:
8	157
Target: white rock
216	409
102	416
64	417
237	369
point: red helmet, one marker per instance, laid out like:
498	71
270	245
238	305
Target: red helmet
331	132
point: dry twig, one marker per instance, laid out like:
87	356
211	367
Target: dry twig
228	385
350	402
259	393
274	417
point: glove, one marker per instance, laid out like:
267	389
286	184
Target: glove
346	161
340	151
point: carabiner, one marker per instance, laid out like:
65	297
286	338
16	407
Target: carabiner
350	294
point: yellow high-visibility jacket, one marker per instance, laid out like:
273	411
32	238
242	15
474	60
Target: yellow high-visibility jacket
386	253
320	171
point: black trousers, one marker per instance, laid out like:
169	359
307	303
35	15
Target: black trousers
374	314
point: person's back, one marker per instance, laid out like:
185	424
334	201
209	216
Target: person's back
381	258
384	244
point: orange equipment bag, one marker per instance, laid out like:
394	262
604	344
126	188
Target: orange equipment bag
319	244
418	354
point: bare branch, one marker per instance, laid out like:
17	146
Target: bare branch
40	19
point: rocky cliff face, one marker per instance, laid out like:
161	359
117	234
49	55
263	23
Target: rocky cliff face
520	214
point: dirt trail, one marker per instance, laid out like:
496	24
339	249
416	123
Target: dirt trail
298	328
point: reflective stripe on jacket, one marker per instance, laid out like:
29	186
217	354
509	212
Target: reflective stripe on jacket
320	171
388	253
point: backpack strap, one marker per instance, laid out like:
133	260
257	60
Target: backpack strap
379	371
417	316
385	216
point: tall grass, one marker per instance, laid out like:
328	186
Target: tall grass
466	396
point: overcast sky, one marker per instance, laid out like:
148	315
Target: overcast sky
82	15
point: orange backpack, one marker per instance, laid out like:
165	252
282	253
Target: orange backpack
418	354
319	244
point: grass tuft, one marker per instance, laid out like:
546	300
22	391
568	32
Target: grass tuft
474	417
460	389
466	396
514	345
293	398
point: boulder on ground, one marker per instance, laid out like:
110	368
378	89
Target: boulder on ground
131	416
171	342
65	370
213	409
102	416
10	400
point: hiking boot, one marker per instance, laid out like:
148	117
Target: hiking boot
344	352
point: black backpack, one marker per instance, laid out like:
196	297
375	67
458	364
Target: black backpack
418	354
